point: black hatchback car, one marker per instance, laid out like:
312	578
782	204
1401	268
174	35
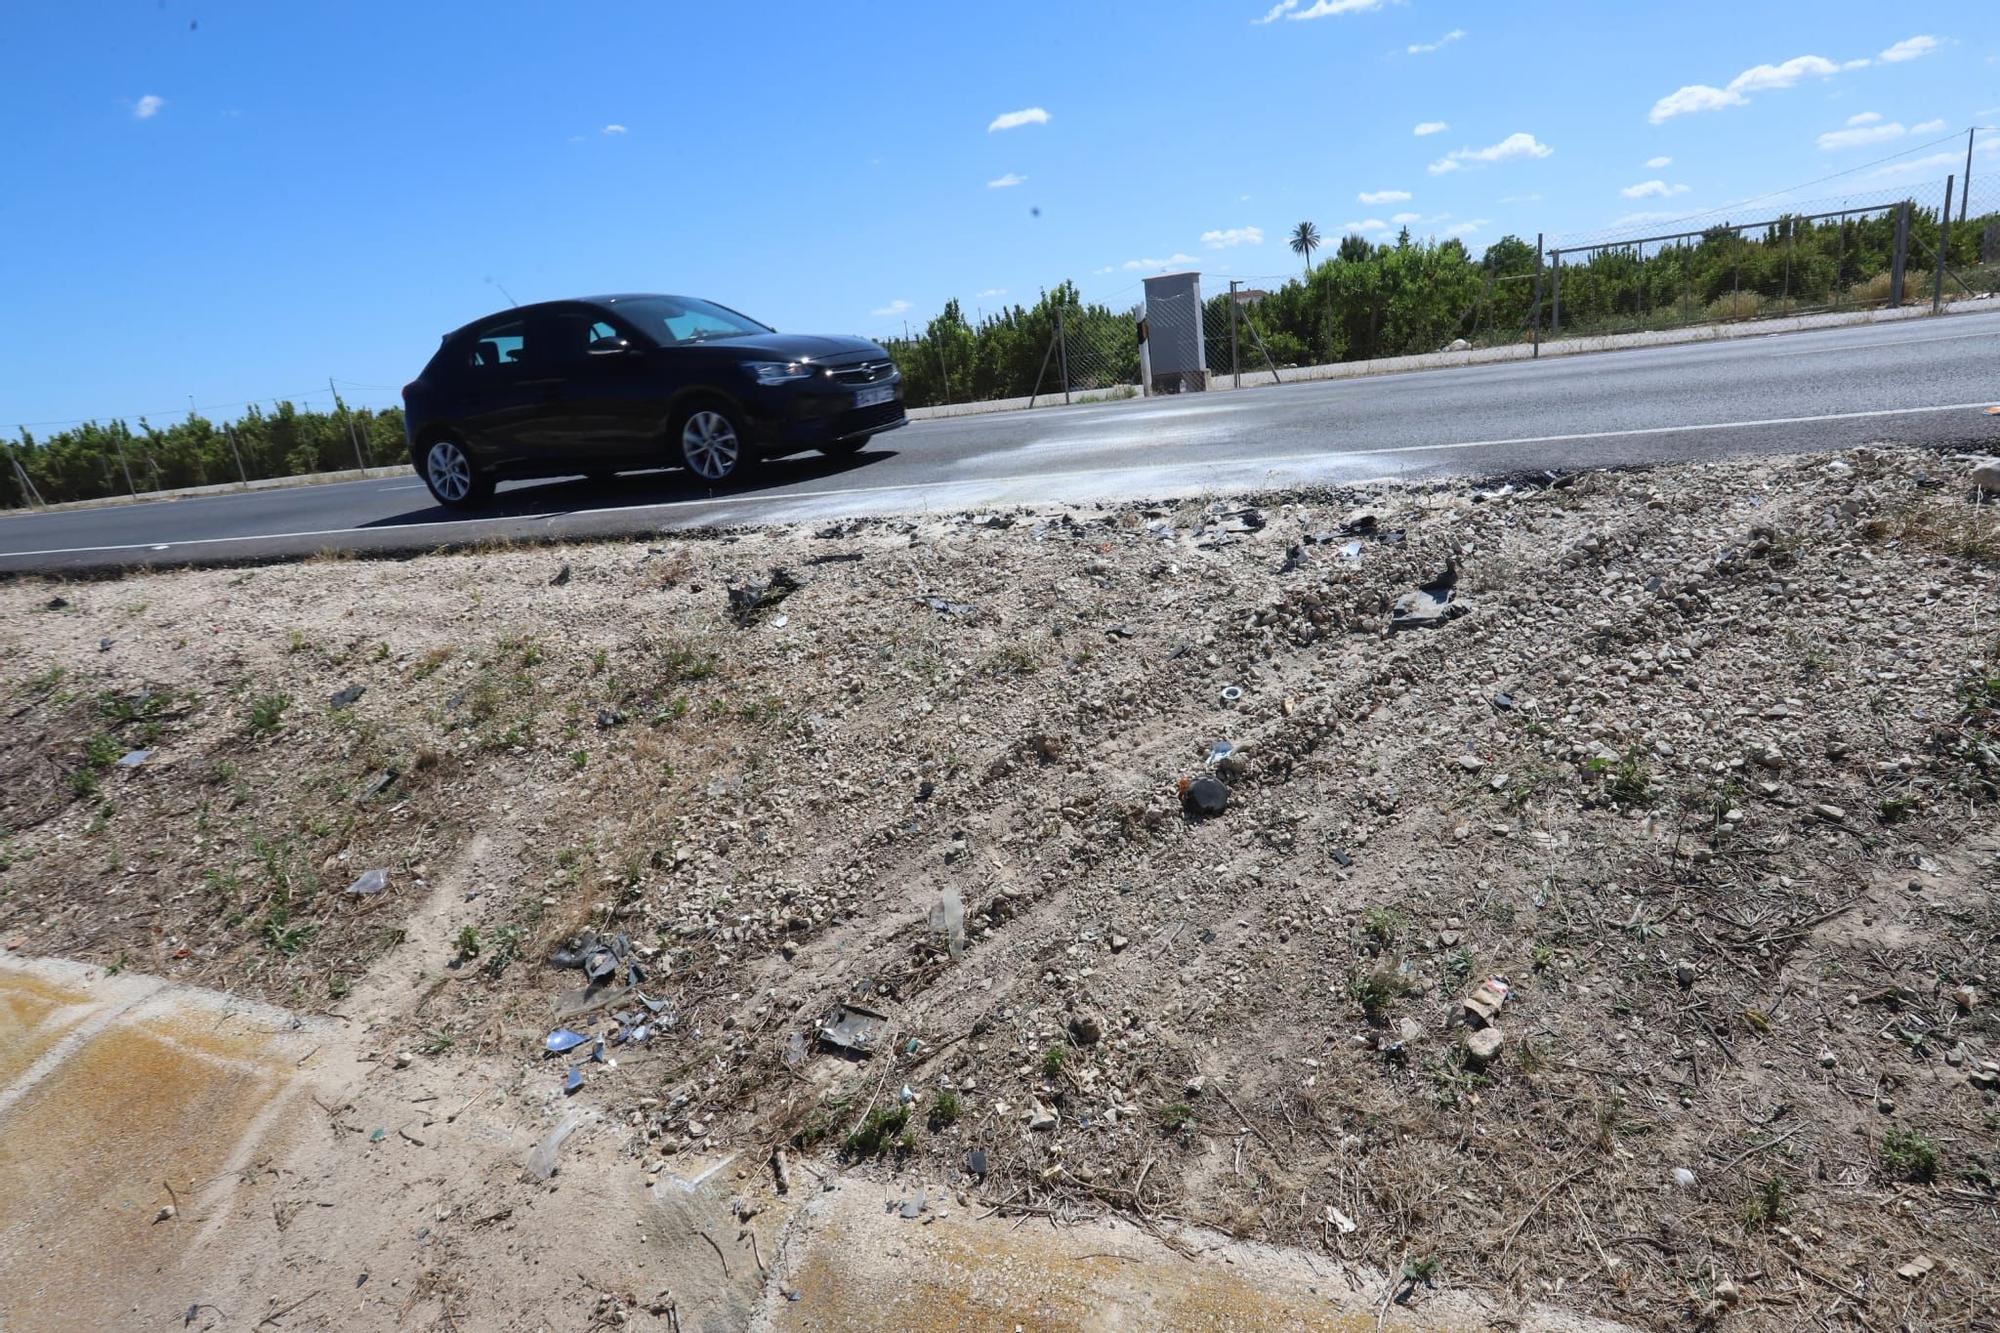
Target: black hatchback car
617	383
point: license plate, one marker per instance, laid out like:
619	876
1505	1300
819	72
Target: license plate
880	393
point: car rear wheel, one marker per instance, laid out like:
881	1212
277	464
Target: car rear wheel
846	448
712	444
453	479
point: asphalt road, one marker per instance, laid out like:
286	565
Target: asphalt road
1922	382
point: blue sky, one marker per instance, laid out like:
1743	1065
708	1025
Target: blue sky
230	201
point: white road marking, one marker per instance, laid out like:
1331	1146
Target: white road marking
1155	469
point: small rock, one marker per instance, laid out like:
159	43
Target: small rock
1827	1059
166	1213
1917	1269
1118	943
1684	974
1041	1117
402	1059
1482	1048
1728	1292
1086	1027
562	577
1683	1178
1986	475
1832	814
1471	763
1965	997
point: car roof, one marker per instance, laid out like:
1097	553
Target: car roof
522	310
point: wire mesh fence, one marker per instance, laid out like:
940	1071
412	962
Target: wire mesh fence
1852	254
1059	346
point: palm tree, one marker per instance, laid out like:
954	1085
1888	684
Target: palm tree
1305	240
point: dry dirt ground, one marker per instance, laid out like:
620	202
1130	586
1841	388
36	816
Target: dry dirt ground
1700	762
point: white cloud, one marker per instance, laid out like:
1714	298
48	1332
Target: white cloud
1465	228
1222	240
1933	162
1366	224
1289	9
895	307
1658	162
1833	140
1513	146
1909	49
1171	261
1694	97
1758	78
1006	182
1430	127
1768	78
1425	48
1654	189
1013	120
148	106
1635	219
1384	197
1403	219
1521	198
1108	268
613	129
990	293
1870	128
1863	63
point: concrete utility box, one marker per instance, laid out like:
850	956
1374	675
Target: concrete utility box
1178	357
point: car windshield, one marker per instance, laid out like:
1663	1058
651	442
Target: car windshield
684	319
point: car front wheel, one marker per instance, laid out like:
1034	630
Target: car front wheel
712	444
454	480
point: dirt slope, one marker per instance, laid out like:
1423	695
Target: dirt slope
1699	761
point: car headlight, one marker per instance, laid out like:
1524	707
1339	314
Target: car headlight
781	372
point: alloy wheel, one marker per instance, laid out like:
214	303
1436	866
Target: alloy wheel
709	444
450	471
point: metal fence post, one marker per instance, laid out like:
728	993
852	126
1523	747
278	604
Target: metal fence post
1901	253
1944	242
115	439
1556	294
229	433
1965	194
352	438
1235	367
1538	297
1062	342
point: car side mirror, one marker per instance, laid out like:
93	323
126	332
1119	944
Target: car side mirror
612	347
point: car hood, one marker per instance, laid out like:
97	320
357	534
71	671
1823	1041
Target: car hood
802	346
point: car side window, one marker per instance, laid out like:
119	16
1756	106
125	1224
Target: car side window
497	345
572	334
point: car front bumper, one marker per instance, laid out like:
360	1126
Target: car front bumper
786	418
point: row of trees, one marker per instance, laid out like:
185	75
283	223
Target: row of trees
94	460
1409	296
